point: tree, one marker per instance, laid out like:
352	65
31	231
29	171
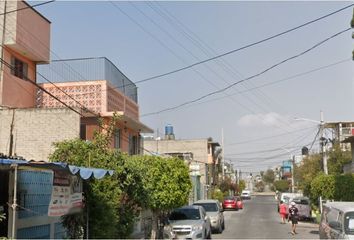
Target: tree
259	186
113	202
167	184
241	186
305	173
281	185
269	176
337	159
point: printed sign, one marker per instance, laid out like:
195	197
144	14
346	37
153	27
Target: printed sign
65	198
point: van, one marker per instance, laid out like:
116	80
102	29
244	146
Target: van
303	205
337	221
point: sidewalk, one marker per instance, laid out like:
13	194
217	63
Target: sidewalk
306	230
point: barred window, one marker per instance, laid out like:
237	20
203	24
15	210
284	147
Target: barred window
19	68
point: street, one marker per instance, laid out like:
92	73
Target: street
260	219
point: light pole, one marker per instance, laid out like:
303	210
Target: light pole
322	140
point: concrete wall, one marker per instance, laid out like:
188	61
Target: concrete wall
35	130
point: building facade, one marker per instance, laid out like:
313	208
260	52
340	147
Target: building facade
25	38
203	160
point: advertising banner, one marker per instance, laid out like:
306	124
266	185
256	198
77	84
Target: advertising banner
64	199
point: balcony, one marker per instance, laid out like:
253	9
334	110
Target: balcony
94	83
27	32
86	70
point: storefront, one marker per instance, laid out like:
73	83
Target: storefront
43	193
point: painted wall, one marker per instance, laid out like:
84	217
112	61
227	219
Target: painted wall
27	31
17	92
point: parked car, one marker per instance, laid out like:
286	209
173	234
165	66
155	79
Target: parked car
214	212
337	221
239	202
303	204
246	194
230	203
189	222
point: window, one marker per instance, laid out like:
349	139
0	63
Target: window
83	131
117	138
19	68
133	145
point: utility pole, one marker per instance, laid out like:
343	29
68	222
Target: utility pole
323	145
292	174
223	155
3	44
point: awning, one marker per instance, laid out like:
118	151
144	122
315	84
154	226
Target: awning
83	172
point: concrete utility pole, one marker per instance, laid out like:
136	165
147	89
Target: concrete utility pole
223	155
323	147
292	174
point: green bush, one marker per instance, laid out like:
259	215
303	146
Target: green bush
334	187
281	185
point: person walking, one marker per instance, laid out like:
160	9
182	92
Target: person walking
293	216
282	212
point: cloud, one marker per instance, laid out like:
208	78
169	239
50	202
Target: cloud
273	119
267	120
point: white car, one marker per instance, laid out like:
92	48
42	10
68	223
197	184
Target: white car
246	194
215	212
189	222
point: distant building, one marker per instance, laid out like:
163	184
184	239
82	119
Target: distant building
203	158
340	131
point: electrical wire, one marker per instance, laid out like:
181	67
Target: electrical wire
30	6
248	78
244	47
218	76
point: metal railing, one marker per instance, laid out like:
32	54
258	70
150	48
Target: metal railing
87	69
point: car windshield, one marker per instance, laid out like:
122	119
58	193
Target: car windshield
301	201
229	198
349	223
185	214
209	207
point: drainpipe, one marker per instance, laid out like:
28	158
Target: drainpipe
14	204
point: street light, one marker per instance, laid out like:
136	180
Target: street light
322	142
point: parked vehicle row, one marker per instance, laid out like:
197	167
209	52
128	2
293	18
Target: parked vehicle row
196	221
337	221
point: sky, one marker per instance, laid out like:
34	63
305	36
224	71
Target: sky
256	116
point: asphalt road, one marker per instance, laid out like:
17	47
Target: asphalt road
260	219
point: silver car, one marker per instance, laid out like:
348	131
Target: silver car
214	212
189	222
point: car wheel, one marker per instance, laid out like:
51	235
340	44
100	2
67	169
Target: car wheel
220	228
209	235
223	225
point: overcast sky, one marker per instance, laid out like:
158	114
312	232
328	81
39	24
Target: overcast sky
145	39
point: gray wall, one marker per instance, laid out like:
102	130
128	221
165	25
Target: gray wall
35	130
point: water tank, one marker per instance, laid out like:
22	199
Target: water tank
168	130
305	151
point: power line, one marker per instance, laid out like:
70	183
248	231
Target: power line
249	78
35	5
198	59
281	80
244	47
272	136
208	51
41	88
